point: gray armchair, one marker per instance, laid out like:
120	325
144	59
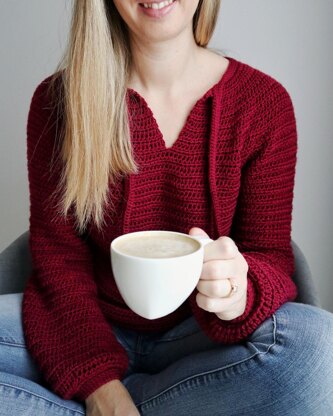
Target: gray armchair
15	267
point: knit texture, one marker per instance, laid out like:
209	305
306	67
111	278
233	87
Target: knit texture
230	172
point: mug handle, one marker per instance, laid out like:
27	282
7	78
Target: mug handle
203	240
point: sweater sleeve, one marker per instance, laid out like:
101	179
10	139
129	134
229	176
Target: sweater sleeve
65	330
261	225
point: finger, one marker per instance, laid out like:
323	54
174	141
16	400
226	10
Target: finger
224	248
198	231
228	316
218	269
215	288
234	311
221	305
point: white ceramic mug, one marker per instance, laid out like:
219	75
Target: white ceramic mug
155	287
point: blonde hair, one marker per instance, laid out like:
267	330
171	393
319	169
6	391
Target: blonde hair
96	147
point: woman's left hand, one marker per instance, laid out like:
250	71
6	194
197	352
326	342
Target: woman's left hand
222	288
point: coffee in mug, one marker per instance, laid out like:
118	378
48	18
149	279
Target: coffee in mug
156	271
157	246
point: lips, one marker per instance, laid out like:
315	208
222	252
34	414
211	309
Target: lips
156	5
157	9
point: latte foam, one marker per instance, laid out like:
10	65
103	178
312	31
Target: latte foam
157	246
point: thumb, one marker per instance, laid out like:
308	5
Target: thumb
198	231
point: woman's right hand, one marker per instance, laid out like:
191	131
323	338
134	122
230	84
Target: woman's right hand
111	399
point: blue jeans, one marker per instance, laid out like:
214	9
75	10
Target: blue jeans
284	368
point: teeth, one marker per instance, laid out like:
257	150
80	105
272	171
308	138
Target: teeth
157	6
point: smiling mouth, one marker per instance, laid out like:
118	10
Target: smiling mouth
157	5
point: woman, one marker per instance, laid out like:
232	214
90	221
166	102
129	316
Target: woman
149	129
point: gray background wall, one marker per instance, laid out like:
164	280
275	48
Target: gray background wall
290	39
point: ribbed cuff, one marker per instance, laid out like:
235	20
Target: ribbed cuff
226	331
97	381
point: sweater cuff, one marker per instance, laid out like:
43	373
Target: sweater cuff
225	331
97	381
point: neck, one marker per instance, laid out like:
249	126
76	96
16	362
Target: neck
163	66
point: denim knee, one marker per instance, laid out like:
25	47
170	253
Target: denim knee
304	339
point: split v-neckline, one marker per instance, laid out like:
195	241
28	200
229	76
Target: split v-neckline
225	76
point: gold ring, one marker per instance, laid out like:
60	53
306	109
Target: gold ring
234	288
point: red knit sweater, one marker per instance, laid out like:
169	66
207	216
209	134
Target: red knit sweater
230	172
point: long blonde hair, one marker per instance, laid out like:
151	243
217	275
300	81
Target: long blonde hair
96	147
